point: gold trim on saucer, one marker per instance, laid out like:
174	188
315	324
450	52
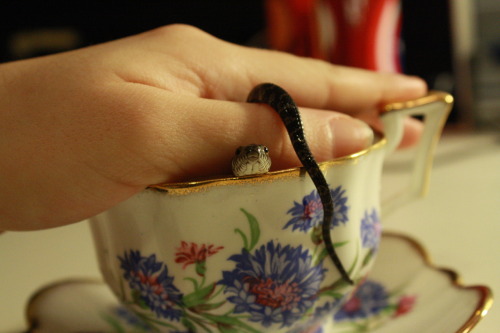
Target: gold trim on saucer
29	313
486	296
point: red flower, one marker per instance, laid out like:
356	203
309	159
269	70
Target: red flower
285	295
352	305
192	253
405	305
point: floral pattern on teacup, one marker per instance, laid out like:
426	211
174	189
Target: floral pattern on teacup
309	213
371	306
278	286
192	253
123	319
371	230
151	286
274	285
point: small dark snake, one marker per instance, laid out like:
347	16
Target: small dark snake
254	159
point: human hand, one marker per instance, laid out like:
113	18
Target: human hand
84	130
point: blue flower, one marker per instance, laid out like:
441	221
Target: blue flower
328	308
309	213
369	300
321	311
274	285
370	230
151	285
131	319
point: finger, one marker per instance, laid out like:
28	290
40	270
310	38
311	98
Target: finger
324	86
212	68
329	135
412	131
312	83
200	137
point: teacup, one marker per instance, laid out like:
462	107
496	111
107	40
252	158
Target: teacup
244	254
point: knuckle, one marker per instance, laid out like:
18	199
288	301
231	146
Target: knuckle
178	29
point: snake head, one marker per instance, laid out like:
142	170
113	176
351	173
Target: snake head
250	160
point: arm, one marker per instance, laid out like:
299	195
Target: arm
83	130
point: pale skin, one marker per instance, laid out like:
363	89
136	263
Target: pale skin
84	130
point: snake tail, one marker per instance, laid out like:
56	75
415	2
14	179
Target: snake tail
283	104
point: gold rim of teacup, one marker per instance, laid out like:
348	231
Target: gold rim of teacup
203	184
380	141
431	97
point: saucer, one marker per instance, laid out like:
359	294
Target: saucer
403	293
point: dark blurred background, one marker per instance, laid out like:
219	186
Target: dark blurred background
30	28
453	45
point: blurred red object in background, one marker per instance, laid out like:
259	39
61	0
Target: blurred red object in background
358	33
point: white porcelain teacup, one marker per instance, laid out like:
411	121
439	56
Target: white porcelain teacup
244	254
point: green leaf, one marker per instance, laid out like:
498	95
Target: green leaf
321	256
122	290
188	324
254	229
209	306
368	257
243	236
151	321
113	323
197	321
316	235
198	297
143	304
389	309
340	283
216	293
339	244
227	329
137	299
201	268
332	293
226	320
351	269
195	283
324	253
135	295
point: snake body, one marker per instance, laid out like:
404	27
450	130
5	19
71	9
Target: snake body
283	104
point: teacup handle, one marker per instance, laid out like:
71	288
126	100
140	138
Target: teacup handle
435	108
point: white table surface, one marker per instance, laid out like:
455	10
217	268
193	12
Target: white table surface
458	222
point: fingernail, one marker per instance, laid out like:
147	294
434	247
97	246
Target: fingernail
350	135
